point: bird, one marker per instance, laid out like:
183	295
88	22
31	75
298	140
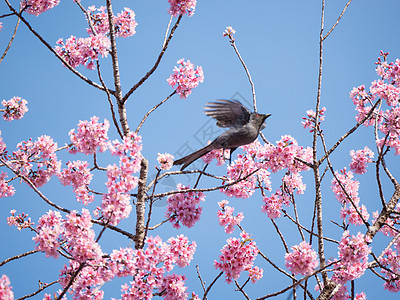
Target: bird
244	127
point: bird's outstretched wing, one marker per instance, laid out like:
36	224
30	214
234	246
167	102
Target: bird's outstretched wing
228	113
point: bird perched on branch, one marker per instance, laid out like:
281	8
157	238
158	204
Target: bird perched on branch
243	125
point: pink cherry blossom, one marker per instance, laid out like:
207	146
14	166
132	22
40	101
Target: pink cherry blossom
302	259
173	287
391	123
91	136
3	146
6	288
361	296
226	217
185	78
6	190
360	159
21	221
83	51
218	154
351	187
1	26
14	109
36	7
181	250
238	255
78	175
391	260
42	154
309	122
181	7
49	230
80	237
229	31
273	204
353	254
124	22
131	145
166	161
184	208
352	214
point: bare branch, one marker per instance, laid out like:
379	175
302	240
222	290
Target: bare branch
337	21
18	257
42	286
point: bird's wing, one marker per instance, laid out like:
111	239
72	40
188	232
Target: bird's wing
228	113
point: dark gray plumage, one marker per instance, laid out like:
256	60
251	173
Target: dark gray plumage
243	125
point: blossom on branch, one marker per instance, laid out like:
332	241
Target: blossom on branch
90	137
6	288
302	260
5	189
36	7
184	207
226	217
181	7
238	255
185	78
14	109
166	161
360	159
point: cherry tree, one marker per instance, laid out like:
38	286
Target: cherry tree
105	165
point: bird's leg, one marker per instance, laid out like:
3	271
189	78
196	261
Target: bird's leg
230	154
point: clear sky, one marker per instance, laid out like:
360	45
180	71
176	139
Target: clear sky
278	41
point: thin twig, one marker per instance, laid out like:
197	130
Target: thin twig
164	48
211	284
337	21
11	40
42	286
18	257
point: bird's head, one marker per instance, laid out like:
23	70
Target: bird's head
259	119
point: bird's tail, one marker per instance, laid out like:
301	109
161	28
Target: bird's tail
187	160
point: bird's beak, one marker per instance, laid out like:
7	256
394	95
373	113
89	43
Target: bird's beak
267	116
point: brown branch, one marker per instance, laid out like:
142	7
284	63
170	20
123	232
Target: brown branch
81	76
211	284
42	286
18	257
140	204
71	281
337	21
164	48
11	40
151	110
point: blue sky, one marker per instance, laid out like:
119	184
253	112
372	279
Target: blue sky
278	41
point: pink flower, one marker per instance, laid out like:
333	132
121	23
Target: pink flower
19	221
78	175
166	161
49	230
42	154
302	259
181	250
350	186
360	159
219	154
36	7
173	287
83	51
309	122
391	260
6	288
184	207
273	205
124	22
354	217
353	254
226	217
91	136
14	109
181	7
5	189
238	255
229	31
185	77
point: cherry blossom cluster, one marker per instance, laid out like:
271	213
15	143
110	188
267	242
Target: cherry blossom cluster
36	7
124	22
21	221
6	288
83	51
353	257
41	153
273	204
349	185
78	175
226	217
353	214
218	154
49	230
391	260
360	159
80	237
181	7
185	77
302	260
5	189
3	146
116	203
90	137
1	26
165	160
149	267
238	255
229	31
14	109
309	122
184	208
